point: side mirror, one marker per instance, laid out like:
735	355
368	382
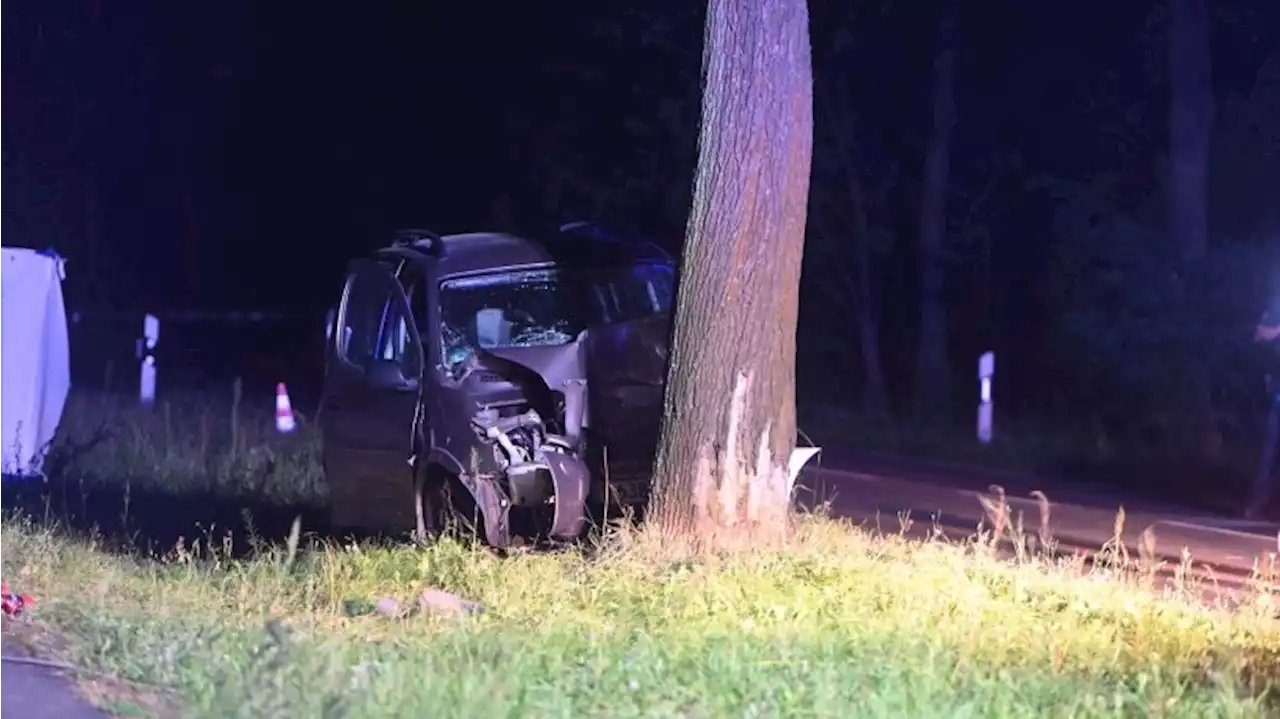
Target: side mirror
386	375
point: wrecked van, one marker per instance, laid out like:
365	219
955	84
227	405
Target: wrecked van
514	381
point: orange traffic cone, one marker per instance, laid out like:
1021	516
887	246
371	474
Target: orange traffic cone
284	411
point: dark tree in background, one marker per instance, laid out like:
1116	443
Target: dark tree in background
729	415
1190	123
54	122
933	370
845	237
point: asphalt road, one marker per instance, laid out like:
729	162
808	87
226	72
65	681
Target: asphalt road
35	692
876	491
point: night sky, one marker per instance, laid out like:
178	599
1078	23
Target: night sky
234	155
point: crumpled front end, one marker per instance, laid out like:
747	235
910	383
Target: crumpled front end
537	451
599	396
540	467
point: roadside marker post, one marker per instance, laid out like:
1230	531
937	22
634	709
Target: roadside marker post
986	371
146	352
145	346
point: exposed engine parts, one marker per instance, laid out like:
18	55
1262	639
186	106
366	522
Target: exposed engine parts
541	468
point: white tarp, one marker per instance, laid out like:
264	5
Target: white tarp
35	366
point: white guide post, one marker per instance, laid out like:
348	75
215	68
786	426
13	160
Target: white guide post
146	349
986	371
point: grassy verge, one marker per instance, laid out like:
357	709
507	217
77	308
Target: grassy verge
839	623
208	442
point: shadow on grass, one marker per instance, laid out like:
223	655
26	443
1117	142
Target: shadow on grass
153	522
195	467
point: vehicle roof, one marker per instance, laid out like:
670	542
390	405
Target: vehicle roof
471	251
478	251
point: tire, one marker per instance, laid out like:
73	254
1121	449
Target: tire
445	508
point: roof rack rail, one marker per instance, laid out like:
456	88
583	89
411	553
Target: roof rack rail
581	226
418	239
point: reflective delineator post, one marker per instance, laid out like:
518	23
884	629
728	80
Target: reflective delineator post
146	349
986	371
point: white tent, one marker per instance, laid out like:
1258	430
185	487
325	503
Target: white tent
35	367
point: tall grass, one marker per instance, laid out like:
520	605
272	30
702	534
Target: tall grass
212	442
838	622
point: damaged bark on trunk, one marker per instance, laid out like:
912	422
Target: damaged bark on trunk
933	367
721	470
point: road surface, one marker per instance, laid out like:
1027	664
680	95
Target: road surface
36	692
876	490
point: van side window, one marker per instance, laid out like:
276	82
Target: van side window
374	324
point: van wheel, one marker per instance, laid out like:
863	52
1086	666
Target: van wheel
444	507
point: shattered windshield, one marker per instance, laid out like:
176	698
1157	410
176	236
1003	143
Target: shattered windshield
544	307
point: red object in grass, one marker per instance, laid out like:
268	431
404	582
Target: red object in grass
14	604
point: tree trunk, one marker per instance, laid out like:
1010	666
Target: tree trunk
190	249
875	398
933	367
1190	122
840	143
720	475
94	290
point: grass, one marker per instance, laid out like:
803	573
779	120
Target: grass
215	443
840	622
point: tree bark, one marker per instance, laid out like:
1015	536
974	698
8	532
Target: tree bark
1190	124
933	366
875	398
720	474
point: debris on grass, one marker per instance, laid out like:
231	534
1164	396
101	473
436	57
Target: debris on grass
13	605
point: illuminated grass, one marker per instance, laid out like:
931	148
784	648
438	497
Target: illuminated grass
840	623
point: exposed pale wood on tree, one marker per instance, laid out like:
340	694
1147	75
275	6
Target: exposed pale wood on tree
729	415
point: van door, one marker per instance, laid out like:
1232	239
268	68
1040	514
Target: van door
371	402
